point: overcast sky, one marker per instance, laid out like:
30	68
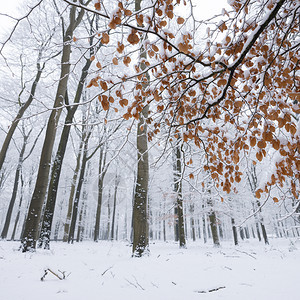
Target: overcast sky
204	9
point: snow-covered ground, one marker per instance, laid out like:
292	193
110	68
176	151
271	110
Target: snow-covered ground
105	270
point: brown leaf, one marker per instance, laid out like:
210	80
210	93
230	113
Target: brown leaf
97	5
126	60
133	39
115	61
105	38
127	12
103	85
180	20
140	20
104	102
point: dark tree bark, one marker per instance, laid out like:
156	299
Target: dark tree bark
264	233
72	192
257	231
58	161
23	108
179	200
19	210
242	233
213	220
102	171
140	206
80	227
18	176
247	232
214	228
192	222
117	181
235	237
176	224
15	189
31	231
108	219
252	180
204	228
78	189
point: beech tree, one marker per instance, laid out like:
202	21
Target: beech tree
140	203
31	231
235	93
225	88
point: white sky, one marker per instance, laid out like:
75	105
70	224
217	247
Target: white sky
205	8
209	8
9	6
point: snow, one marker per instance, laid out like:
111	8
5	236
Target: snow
106	270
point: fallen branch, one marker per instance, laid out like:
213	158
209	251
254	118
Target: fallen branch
62	277
106	270
210	290
246	253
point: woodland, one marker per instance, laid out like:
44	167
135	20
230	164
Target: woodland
143	121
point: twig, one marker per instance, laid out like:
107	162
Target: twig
131	283
138	283
210	290
246	253
106	270
55	274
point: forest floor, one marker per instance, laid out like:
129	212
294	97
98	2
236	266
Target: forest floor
106	271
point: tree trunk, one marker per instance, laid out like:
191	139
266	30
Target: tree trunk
264	233
140	214
19	210
20	114
179	200
140	206
164	221
31	231
235	237
108	218
72	192
101	175
176	225
257	230
57	165
15	190
204	228
80	227
214	228
242	233
78	190
192	222
114	209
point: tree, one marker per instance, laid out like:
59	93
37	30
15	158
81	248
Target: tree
224	88
86	136
140	204
31	232
101	175
233	95
179	220
23	108
252	179
60	154
17	178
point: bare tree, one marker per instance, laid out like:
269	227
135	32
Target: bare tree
31	232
